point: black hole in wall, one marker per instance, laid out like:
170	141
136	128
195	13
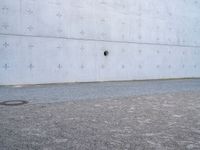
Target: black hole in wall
106	53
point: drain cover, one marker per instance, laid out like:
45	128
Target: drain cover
13	103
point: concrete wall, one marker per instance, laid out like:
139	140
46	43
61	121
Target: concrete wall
51	41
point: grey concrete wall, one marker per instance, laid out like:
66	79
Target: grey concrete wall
51	41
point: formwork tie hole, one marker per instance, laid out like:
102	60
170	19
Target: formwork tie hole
106	53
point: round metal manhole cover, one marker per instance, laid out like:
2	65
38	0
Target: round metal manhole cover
13	103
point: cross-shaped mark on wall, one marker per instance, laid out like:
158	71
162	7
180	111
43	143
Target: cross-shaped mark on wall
59	30
6	66
59	15
30	28
58	47
29	11
30	46
103	20
82	66
5	26
55	3
82	48
4	8
5	44
82	32
103	2
103	34
31	66
59	66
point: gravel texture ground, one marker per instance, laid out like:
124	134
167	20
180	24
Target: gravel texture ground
168	120
95	91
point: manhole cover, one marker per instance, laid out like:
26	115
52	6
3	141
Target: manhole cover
13	103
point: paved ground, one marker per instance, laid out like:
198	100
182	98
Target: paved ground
150	115
91	91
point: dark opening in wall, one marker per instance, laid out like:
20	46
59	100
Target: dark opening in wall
106	53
